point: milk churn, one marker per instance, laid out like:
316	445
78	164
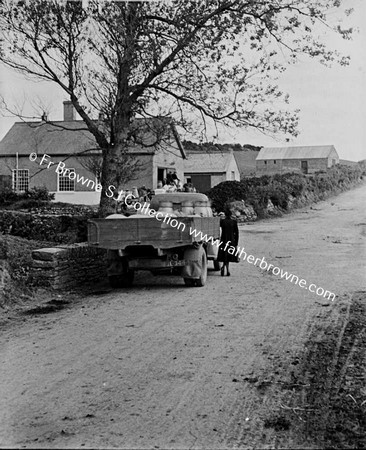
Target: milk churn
187	208
201	208
166	207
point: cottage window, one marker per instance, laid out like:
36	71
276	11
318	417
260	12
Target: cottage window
66	183
161	174
20	179
265	162
274	161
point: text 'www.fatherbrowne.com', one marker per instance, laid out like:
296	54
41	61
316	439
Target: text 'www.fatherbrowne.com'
263	264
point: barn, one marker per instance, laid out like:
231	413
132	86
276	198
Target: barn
206	169
307	159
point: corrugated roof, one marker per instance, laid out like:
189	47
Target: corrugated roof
66	138
245	159
206	162
306	152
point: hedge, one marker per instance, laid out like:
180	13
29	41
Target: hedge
34	197
281	188
63	229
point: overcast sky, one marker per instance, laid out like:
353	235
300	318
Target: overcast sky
332	100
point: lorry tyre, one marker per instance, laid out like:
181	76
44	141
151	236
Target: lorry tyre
203	277
119	274
123	280
216	265
195	274
115	281
127	278
127	274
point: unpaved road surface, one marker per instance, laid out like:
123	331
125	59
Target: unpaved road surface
250	360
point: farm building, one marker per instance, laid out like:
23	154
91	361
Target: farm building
245	159
309	159
206	169
70	142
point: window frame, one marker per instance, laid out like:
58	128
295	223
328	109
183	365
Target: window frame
61	177
14	182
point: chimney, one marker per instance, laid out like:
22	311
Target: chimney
69	111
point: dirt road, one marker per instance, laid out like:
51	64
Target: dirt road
166	366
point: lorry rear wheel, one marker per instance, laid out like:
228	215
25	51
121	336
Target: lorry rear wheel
127	278
119	274
195	273
123	280
203	277
115	281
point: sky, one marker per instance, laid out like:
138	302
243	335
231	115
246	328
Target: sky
332	101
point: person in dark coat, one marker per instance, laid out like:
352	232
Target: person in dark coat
229	242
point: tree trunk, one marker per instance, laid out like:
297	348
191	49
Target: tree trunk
110	179
120	128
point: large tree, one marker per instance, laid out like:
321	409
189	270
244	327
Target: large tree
196	61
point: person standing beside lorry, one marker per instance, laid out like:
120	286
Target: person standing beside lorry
229	239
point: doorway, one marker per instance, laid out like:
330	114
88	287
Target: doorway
304	166
201	182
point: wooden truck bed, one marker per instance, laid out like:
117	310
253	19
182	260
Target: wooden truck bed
117	234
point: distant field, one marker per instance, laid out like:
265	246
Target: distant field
346	162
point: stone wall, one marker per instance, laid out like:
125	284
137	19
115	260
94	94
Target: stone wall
5	280
69	266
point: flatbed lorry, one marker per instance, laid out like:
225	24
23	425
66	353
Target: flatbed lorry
167	242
